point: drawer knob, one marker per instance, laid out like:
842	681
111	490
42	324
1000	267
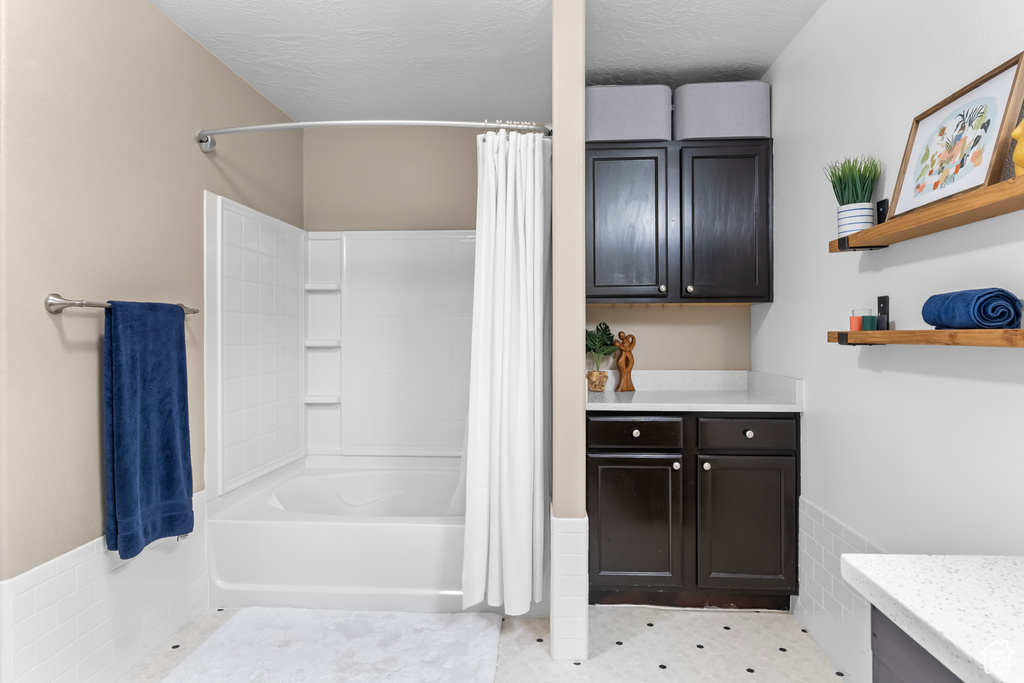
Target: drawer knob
676	466
707	466
749	433
663	288
689	289
636	433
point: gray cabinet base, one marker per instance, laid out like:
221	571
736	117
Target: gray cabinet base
898	658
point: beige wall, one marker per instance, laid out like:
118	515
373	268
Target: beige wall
688	337
569	394
390	179
101	197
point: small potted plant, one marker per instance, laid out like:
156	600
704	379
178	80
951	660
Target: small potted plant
853	181
599	345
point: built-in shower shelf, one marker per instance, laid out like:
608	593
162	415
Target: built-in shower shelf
323	286
323	400
323	343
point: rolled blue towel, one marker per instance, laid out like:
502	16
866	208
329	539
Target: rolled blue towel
973	309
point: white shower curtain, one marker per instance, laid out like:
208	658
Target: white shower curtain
508	445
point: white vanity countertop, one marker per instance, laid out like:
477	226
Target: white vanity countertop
701	391
966	610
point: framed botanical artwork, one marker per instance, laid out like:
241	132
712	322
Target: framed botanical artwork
961	143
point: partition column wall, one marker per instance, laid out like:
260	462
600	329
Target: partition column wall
568	506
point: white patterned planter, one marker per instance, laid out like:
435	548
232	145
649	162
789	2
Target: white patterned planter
855	217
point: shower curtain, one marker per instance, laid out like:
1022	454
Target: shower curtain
507	459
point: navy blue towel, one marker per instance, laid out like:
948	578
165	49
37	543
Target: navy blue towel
973	309
147	457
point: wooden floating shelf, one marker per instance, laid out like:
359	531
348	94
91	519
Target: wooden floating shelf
999	338
971	206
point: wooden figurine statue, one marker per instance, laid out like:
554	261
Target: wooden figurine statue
624	361
1018	152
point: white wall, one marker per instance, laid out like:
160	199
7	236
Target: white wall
916	449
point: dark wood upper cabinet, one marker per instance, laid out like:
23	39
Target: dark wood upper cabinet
726	250
746	522
681	221
627	235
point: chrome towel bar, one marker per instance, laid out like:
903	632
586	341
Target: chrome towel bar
55	303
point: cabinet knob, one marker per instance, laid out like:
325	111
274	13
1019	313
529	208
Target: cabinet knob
636	433
707	466
676	466
663	288
749	433
689	288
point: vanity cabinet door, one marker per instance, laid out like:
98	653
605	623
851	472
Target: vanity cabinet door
726	221
634	504
627	223
746	522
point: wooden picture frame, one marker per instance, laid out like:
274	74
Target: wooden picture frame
961	143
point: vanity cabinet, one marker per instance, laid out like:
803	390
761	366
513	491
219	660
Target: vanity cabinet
638	500
634	478
692	509
677	222
746	528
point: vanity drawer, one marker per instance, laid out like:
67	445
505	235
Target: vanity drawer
634	432
743	434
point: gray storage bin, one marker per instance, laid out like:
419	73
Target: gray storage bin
629	112
722	110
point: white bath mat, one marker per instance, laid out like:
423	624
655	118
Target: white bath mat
285	644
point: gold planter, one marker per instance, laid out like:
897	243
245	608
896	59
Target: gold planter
596	380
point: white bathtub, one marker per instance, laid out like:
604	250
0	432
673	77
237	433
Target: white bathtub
372	533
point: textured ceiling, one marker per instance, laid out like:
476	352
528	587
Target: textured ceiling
473	59
688	41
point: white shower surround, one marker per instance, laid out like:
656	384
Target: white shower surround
253	311
406	327
366	335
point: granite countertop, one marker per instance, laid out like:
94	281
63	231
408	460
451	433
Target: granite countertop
701	391
966	610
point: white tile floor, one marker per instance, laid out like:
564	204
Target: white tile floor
626	644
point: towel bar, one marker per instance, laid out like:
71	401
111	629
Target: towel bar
55	303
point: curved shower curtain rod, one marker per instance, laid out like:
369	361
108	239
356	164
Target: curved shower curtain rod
207	141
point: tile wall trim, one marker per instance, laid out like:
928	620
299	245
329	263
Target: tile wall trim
834	615
570	588
90	616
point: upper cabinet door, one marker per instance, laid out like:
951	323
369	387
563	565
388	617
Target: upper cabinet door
726	213
627	232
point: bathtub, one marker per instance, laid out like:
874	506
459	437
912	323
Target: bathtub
365	533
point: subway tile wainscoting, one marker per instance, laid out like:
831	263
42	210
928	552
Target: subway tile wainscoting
837	618
90	616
